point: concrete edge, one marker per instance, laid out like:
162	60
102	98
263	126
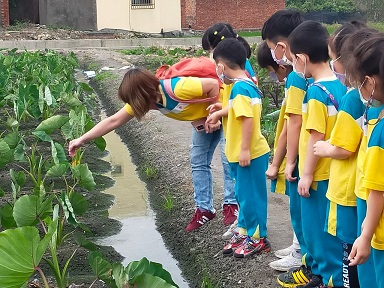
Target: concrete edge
106	43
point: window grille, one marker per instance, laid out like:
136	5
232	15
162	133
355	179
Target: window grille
143	4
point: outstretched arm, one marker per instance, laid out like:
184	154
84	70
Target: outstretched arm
210	87
105	126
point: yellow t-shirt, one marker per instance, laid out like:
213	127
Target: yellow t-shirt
295	88
185	88
319	114
374	172
341	188
244	101
224	99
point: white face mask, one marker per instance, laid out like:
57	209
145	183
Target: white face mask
282	61
301	74
371	102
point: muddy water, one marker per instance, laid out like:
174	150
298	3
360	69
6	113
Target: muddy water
138	237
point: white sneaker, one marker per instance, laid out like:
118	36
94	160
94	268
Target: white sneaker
286	263
284	252
231	230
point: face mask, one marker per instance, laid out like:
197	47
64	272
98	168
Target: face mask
340	76
220	76
371	102
301	74
282	61
273	76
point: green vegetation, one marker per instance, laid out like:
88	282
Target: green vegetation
150	173
168	203
326	5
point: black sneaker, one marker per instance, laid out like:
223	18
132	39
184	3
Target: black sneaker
296	277
315	282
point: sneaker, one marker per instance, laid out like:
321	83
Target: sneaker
235	242
230	212
295	277
315	282
282	253
252	246
231	230
286	263
199	219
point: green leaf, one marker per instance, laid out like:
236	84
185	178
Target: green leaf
19	153
100	267
68	209
41	99
148	280
4	147
58	170
28	209
7	220
51	124
42	135
12	123
60	153
82	173
79	203
120	275
100	143
83	242
2	193
12	139
21	251
18	177
86	87
48	96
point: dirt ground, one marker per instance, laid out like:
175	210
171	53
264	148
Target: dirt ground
163	144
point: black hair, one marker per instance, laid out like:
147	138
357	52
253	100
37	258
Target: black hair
341	34
231	52
368	57
264	57
310	38
220	31
281	24
347	48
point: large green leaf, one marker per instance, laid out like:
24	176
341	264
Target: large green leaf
100	267
57	170
82	173
68	209
4	147
12	139
42	135
21	251
51	124
149	280
120	275
79	203
18	177
29	208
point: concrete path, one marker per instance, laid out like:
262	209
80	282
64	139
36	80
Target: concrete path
106	43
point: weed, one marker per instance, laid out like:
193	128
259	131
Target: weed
168	203
105	75
93	66
150	172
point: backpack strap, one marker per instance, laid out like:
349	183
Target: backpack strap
333	100
168	88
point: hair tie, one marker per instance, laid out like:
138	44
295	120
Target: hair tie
222	37
215	33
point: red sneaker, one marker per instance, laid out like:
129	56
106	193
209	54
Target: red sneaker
252	246
235	242
199	219
230	212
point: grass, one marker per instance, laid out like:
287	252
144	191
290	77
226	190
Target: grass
150	173
105	75
168	203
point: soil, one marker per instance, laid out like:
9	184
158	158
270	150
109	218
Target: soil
163	144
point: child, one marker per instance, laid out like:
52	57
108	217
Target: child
342	147
369	77
246	149
213	36
142	91
276	170
275	32
309	49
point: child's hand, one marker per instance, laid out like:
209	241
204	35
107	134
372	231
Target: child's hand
360	251
305	183
214	107
289	168
321	148
244	158
211	127
272	172
213	118
73	146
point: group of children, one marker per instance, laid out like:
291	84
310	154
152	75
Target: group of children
328	149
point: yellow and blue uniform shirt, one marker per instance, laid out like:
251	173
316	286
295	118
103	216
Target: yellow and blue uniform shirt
319	114
347	134
244	101
295	88
373	165
185	88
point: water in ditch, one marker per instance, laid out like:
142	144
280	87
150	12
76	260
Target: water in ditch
138	237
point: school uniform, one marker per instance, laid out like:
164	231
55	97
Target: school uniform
374	180
319	114
250	181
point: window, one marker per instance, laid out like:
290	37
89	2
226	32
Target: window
143	4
